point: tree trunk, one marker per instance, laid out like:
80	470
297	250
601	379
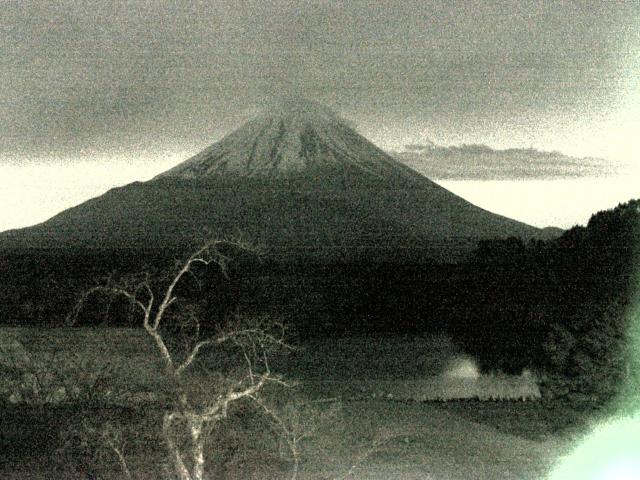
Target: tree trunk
174	451
195	424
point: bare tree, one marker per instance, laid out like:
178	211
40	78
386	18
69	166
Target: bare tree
202	397
297	421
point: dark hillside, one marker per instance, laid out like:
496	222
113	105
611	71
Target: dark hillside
328	220
563	306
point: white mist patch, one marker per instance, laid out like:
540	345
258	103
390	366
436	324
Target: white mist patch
462	367
461	379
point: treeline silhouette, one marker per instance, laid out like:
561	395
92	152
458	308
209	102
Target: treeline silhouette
559	306
562	306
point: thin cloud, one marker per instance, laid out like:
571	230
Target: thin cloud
480	162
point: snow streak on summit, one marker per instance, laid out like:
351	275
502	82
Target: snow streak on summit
294	138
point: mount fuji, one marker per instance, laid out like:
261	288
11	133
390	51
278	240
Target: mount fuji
297	179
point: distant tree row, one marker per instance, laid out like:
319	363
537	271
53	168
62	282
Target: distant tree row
563	306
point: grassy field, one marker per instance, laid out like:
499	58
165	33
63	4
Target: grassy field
383	437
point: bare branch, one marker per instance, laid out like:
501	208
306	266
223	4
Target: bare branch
377	443
109	290
192	355
119	452
251	390
205	255
253	335
290	436
249	365
164	351
220	407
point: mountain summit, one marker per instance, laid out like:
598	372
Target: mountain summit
297	179
294	138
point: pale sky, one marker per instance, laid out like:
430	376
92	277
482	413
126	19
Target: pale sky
97	94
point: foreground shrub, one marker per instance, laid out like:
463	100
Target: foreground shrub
50	377
586	355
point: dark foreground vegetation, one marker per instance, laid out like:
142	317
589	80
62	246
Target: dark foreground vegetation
564	306
561	308
558	306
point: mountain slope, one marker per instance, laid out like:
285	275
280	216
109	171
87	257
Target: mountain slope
296	179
